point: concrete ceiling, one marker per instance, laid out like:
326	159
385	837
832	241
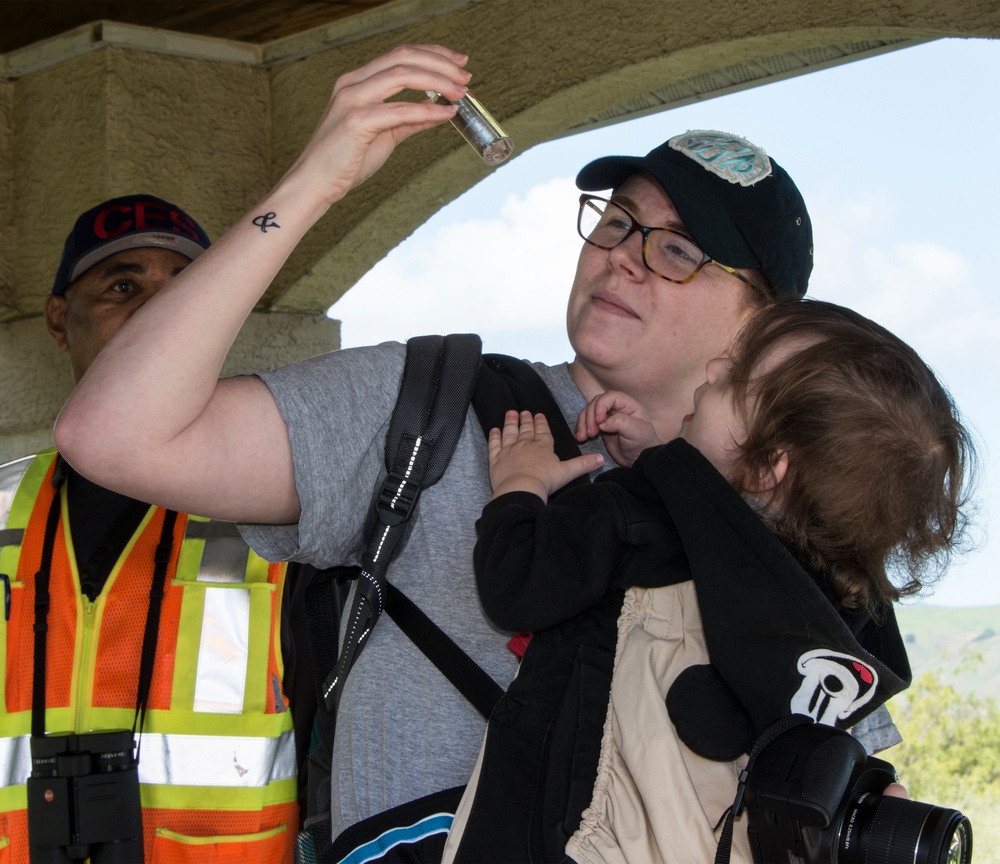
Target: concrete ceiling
538	64
207	103
24	22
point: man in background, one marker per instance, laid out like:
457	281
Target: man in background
155	621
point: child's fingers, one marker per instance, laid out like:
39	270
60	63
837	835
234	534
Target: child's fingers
511	428
578	466
541	426
586	423
614	423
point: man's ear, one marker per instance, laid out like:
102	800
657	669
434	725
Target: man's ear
770	477
55	320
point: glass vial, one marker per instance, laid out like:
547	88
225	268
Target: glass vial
478	128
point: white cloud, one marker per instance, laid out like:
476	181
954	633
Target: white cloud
506	278
924	291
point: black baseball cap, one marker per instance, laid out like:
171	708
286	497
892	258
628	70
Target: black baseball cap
739	205
129	222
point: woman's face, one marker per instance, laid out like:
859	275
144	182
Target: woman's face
634	331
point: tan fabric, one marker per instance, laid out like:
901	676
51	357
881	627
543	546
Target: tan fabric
655	801
461	819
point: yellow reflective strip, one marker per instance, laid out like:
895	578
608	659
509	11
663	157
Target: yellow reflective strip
25	475
216	760
220	838
214	798
196	723
105	718
212	665
256	568
13	798
215	552
262	600
223	650
189	557
188	637
276	635
19	484
56	720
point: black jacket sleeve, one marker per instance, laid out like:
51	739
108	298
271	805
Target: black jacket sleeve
539	564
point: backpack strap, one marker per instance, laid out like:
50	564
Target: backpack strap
506	383
434	395
502	382
470	679
442	375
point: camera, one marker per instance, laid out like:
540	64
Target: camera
814	795
83	799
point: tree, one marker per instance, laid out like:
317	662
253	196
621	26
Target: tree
950	755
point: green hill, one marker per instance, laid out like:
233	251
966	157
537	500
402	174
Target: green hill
960	645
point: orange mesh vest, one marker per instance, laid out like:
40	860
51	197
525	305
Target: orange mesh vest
217	767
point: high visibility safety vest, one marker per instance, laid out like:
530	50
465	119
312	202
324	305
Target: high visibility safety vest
217	769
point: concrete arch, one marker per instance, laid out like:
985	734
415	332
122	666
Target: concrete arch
109	108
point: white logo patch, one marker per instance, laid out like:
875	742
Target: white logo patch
727	156
834	685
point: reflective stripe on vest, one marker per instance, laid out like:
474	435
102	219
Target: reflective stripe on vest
10	538
216	760
220	720
15	760
183	760
10	479
223	652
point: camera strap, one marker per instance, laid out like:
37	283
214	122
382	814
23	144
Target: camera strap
148	656
41	617
42	603
731	813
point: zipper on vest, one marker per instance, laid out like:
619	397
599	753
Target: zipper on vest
88	658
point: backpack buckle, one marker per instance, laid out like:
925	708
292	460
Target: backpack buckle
396	499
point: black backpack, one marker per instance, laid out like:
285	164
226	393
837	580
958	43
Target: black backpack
443	375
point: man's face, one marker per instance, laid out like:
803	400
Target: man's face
635	331
97	304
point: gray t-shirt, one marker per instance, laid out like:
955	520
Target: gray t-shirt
403	731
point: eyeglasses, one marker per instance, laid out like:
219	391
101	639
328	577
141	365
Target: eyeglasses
666	253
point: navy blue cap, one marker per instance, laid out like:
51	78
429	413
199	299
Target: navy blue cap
739	205
130	222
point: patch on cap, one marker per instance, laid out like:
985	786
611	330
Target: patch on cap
128	222
734	159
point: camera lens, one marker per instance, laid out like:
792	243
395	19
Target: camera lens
880	829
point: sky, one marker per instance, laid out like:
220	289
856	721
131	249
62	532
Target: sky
897	159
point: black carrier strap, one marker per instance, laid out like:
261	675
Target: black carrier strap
434	396
505	383
451	661
439	380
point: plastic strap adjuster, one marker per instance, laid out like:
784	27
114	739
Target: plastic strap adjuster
396	499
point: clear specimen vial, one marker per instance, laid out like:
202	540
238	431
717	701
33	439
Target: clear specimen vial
478	128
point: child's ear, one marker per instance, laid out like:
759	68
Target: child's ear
770	477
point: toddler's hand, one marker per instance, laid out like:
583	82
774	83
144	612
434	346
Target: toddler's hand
522	458
621	422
